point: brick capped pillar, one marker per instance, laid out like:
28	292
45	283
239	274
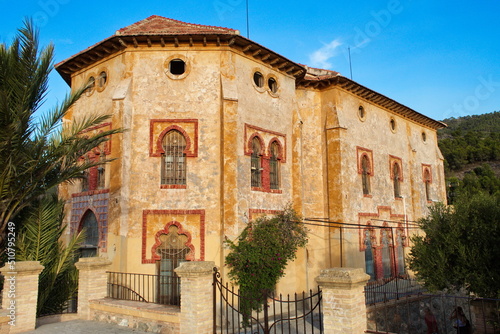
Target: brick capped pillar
20	294
344	308
92	282
196	296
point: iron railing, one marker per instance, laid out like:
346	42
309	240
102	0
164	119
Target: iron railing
159	289
69	307
407	315
392	288
297	314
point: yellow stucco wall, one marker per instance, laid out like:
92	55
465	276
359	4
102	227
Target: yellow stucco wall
220	108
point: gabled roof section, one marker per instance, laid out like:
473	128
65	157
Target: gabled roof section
159	25
324	79
167	33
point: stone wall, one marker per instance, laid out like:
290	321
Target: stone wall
142	316
406	315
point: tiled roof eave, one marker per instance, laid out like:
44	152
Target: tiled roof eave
372	96
118	43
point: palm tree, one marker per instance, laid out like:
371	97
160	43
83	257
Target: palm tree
39	239
36	156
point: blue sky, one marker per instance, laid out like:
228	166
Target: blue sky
441	58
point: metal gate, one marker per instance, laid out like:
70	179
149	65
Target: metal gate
299	314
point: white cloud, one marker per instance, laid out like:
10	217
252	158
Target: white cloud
320	57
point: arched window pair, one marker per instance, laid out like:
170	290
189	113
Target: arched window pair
256	169
392	256
173	162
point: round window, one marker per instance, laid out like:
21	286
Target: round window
273	85
424	136
393	124
177	66
258	79
361	113
103	78
90	86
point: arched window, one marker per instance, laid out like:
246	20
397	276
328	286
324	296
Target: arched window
91	229
400	252
369	263
174	159
396	179
274	167
427	182
172	251
365	174
256	165
386	254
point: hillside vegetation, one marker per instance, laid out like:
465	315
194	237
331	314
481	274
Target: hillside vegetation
471	148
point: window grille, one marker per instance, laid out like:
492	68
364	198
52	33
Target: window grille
365	174
396	180
256	166
173	252
274	172
174	159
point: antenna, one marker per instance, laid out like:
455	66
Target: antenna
350	64
248	26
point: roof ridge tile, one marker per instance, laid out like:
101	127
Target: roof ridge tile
156	24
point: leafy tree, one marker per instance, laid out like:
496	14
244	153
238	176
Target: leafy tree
40	240
36	156
258	260
460	248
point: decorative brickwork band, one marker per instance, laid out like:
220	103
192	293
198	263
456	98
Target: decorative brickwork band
344	309
20	295
196	297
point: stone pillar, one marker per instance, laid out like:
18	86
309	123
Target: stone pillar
344	308
92	282
196	296
20	294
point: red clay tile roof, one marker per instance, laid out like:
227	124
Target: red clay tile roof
159	25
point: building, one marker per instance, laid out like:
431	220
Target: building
221	130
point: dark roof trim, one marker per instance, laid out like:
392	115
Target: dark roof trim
117	43
370	95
